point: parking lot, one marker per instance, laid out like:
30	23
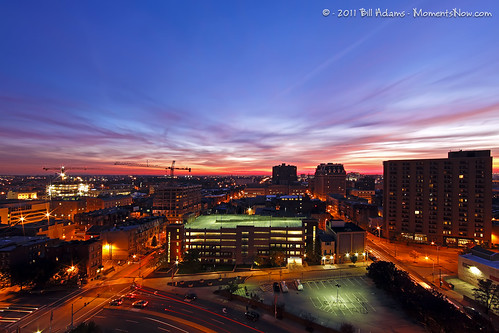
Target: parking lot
348	299
354	300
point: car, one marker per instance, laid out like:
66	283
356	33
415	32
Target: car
140	304
116	301
298	285
252	315
276	287
472	312
190	297
131	295
284	287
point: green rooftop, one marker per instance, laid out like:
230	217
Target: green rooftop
232	221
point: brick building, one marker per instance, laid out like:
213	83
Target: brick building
447	200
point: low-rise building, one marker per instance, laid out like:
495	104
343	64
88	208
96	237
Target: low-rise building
132	237
20	250
478	264
13	212
85	255
350	240
328	249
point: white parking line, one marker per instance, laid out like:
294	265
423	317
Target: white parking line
327	303
313	303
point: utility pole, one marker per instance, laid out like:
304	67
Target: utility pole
71	315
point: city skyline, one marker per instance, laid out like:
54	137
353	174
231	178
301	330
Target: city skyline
236	88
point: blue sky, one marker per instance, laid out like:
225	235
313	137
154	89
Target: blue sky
235	87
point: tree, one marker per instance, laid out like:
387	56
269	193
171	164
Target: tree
353	259
261	261
154	242
191	263
277	258
487	294
232	287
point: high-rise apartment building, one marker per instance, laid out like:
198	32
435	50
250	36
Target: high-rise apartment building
177	202
329	179
284	174
447	201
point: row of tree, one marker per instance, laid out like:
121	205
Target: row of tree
426	305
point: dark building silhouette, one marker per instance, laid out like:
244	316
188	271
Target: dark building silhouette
448	200
284	174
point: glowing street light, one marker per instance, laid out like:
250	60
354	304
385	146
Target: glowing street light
438	261
433	268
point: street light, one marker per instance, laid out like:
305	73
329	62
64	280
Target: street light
337	291
379	231
433	268
174	269
324	260
438	260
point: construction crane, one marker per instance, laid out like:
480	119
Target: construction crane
172	168
63	169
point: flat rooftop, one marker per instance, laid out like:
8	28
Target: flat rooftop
233	221
490	263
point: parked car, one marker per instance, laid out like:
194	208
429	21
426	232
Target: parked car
284	287
140	304
252	315
116	301
190	297
276	287
298	285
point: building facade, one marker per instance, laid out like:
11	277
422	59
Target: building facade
329	178
14	212
132	238
177	202
240	239
447	201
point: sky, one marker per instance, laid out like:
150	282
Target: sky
236	87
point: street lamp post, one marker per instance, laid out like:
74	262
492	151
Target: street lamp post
379	231
432	269
174	269
438	259
337	291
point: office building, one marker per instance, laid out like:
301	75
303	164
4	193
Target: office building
447	200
